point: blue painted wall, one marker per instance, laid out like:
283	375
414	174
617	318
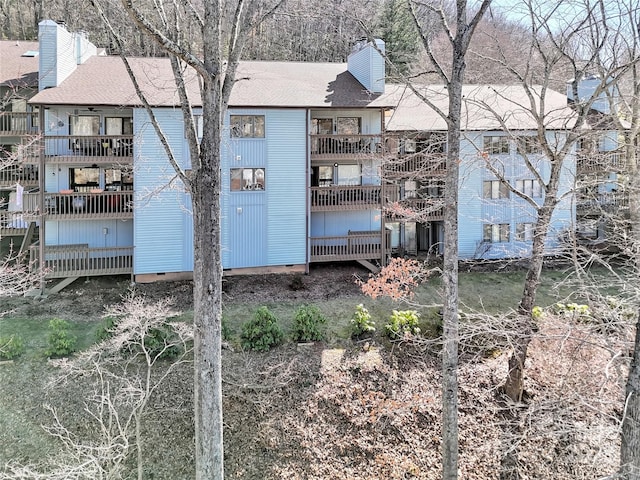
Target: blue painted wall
162	233
267	228
475	211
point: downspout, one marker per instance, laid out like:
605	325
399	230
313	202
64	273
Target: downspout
41	187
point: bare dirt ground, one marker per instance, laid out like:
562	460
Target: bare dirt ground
366	410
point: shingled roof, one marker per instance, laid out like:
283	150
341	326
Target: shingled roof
103	80
17	70
484	107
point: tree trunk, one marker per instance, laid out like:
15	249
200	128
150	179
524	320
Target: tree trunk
208	293
630	445
630	438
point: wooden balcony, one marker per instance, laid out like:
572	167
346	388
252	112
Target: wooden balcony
98	149
602	203
63	261
15	223
341	147
588	161
15	124
24	174
94	204
341	198
357	245
416	210
415	166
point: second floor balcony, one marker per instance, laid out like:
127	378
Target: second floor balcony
93	204
340	147
595	161
95	149
343	197
16	124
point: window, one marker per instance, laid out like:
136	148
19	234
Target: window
348	126
325	176
85	125
119	126
495	145
322	126
524	232
247	179
247	126
84	179
495	189
528	145
495	233
349	175
531	188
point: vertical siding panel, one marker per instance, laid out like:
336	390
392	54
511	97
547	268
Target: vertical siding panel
286	187
159	234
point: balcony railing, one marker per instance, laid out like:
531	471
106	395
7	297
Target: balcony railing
89	149
25	175
415	165
600	161
336	198
14	223
416	209
62	261
602	202
18	123
334	147
357	245
89	205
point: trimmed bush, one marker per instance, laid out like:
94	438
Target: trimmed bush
262	332
11	347
403	322
105	329
308	324
361	322
60	340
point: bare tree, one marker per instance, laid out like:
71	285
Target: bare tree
221	29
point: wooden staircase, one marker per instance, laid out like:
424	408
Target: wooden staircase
30	237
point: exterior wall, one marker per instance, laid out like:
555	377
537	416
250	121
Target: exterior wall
338	224
57	58
370	118
259	228
162	220
476	211
119	233
367	65
267	227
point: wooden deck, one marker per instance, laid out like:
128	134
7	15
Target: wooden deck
98	149
416	209
604	202
600	162
415	166
62	261
341	198
341	147
357	245
23	173
92	205
15	124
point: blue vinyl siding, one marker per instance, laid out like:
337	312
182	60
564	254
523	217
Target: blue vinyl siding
367	66
267	228
162	242
475	211
287	187
92	232
337	224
